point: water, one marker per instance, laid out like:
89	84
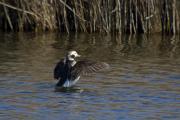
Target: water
142	84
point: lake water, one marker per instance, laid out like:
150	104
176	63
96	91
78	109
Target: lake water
142	84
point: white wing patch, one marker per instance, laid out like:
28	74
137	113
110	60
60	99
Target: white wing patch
70	83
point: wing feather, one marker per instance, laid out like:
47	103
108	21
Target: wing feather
85	67
58	70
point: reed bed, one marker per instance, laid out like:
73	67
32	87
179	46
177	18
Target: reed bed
102	16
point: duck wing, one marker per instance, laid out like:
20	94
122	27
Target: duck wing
85	67
58	70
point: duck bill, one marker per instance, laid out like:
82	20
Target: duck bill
78	55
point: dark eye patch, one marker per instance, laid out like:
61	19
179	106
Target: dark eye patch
72	56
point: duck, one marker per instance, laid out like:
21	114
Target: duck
68	71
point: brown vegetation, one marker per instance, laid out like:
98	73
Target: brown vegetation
110	16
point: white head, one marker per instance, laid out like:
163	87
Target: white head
71	55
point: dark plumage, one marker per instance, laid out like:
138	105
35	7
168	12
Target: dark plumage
68	71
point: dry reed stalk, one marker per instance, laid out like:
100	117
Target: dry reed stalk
18	9
109	16
7	17
65	19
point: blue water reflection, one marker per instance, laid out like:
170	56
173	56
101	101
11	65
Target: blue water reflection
143	83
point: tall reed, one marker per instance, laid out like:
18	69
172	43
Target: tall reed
109	16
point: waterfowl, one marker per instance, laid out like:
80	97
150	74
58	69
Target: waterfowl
68	71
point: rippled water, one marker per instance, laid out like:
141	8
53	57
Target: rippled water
143	83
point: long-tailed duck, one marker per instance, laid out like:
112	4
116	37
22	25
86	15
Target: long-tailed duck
68	71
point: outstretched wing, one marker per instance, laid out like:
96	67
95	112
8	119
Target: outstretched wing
86	67
58	70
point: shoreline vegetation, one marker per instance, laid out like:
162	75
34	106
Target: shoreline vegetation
91	16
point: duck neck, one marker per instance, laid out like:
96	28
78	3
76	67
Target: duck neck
70	62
